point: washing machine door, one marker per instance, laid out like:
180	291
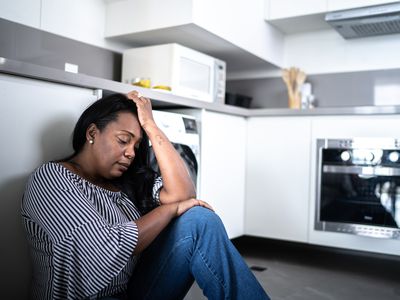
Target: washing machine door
187	155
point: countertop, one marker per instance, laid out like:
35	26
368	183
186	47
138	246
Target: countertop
163	99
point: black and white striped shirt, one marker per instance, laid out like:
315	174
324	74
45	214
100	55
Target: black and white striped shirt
81	236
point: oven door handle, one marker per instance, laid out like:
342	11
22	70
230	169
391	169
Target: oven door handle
363	171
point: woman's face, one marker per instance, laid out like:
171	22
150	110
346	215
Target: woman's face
114	147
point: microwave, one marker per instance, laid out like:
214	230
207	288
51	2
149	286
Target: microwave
183	71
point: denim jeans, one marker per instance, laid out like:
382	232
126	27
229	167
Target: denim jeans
194	246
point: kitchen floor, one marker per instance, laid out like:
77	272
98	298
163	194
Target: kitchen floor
304	272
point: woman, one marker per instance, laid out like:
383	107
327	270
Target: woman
89	216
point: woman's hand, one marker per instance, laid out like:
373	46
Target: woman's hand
151	224
143	105
183	206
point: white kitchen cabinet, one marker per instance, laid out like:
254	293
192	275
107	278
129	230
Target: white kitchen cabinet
294	17
21	11
346	4
85	19
336	127
223	146
37	121
278	9
277	177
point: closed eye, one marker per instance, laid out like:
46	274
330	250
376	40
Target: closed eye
122	142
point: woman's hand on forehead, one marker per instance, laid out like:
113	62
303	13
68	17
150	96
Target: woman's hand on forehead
144	108
133	94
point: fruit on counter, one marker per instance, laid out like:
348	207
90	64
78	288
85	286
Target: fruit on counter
143	82
162	87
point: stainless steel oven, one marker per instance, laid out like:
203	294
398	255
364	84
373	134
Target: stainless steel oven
358	186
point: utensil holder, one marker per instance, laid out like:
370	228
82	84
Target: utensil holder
295	100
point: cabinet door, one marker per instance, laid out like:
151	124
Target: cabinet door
21	11
85	19
223	167
277	177
345	4
37	121
279	9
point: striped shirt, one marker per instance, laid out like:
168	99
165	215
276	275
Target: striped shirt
81	236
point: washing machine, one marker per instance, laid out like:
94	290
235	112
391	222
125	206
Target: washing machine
183	132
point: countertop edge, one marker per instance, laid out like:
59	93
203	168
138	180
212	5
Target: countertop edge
23	69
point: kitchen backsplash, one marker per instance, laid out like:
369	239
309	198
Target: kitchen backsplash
364	88
27	44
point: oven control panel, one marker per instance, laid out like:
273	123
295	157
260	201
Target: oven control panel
362	151
371	231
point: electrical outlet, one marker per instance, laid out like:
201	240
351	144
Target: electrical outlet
71	68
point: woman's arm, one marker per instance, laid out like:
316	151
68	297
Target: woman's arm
177	183
151	224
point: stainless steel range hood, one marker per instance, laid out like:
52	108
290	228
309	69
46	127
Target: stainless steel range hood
366	21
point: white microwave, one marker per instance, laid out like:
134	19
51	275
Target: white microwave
188	73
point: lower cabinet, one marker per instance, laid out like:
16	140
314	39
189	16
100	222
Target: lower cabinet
223	146
37	120
278	177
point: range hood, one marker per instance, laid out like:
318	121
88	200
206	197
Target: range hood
366	21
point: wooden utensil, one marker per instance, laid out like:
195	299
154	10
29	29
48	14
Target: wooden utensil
294	79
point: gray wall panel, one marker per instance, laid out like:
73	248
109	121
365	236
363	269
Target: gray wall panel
331	90
23	43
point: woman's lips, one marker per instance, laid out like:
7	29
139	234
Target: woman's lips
123	166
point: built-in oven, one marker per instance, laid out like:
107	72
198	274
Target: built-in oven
358	186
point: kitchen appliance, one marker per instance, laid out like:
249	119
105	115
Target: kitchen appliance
366	21
358	186
238	100
188	73
183	132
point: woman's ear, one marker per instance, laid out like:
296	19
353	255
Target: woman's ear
91	133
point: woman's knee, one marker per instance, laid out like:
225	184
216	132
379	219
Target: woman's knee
203	219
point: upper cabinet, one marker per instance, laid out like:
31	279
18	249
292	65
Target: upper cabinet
291	16
278	9
21	11
233	31
346	4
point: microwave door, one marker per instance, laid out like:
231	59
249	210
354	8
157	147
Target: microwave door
194	77
195	74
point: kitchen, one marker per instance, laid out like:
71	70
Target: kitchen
355	83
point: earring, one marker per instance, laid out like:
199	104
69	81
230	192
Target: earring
91	141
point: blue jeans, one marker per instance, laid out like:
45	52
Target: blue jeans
194	246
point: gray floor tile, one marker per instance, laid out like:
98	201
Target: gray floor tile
304	272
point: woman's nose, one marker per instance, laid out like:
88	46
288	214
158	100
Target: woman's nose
130	153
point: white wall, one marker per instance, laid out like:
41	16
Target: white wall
325	51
